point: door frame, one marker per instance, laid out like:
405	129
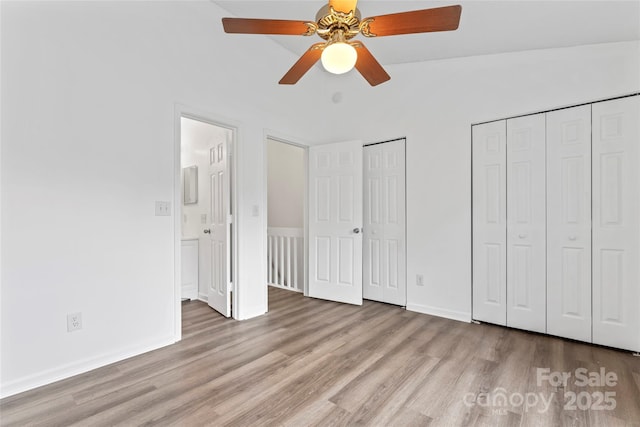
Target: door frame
296	142
181	111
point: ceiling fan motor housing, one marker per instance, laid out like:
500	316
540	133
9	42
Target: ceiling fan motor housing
330	21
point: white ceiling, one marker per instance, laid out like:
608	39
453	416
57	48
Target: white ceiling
486	27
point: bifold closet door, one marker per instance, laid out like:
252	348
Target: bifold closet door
526	223
616	218
489	222
569	223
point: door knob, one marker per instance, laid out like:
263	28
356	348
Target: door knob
356	230
207	231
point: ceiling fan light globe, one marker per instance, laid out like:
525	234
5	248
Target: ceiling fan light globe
339	58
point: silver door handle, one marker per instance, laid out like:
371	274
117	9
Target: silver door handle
356	230
207	231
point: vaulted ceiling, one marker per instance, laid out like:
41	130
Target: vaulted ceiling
486	27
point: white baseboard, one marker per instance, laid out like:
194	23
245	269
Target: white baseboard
460	316
65	371
203	297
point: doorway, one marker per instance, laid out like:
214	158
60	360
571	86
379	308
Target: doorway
286	199
205	212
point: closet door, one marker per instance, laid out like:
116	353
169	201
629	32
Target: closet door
384	257
526	212
373	224
616	218
489	222
569	223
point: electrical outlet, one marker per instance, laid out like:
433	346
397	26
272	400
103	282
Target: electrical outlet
74	322
163	208
419	280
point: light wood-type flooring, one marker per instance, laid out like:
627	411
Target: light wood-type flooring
312	362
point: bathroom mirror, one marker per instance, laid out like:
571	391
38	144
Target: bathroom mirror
190	190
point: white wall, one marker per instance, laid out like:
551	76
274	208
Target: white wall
89	96
88	112
285	185
433	105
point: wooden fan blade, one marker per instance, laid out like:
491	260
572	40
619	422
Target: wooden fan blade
417	21
345	6
369	67
303	65
267	26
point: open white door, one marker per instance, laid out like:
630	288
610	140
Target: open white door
335	222
219	297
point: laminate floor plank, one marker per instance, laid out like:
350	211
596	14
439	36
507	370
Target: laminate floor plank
63	416
176	399
193	362
395	409
40	411
279	381
436	391
320	413
340	363
55	394
391	367
309	362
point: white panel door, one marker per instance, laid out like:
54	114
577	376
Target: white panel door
489	222
335	222
569	223
219	295
616	219
384	256
526	212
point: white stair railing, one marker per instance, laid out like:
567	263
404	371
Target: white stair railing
285	258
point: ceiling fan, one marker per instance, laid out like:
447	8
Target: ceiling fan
340	21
